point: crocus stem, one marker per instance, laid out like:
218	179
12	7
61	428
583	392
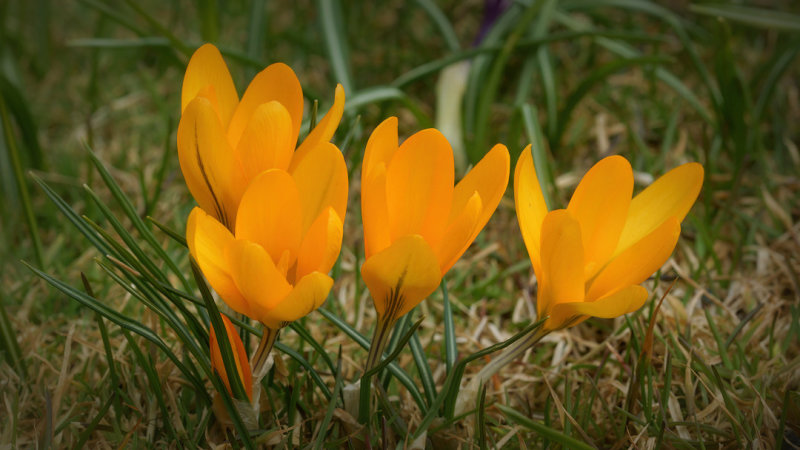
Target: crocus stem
268	338
379	340
467	396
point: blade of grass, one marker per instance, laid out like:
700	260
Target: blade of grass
137	221
72	216
256	33
441	22
125	322
87	433
539	153
9	347
364	412
19	178
24	119
395	370
423	368
333	30
754	17
595	77
153	381
449	391
543	430
337	390
450	349
492	84
177	44
209	19
225	345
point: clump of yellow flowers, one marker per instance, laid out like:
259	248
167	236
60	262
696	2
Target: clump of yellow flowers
269	224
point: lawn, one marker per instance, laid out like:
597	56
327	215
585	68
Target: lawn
105	320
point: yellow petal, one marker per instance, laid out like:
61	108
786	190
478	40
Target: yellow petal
530	206
207	68
460	233
489	178
600	204
321	179
275	83
308	295
672	195
374	214
267	141
325	128
419	186
321	245
401	276
561	279
270	214
239	356
625	301
211	173
207	240
256	276
381	147
637	262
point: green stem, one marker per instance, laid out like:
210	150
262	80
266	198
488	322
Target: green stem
379	341
268	338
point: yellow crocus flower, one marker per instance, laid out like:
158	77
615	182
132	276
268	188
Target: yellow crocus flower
590	258
274	266
416	224
239	355
224	143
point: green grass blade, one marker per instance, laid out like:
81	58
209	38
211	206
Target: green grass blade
306	365
423	368
174	235
22	186
86	433
441	22
337	390
256	32
154	381
539	152
225	345
135	218
543	430
333	30
755	17
306	336
449	392
393	368
593	78
209	19
119	44
777	68
18	107
123	321
177	44
9	347
492	84
450	345
72	216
